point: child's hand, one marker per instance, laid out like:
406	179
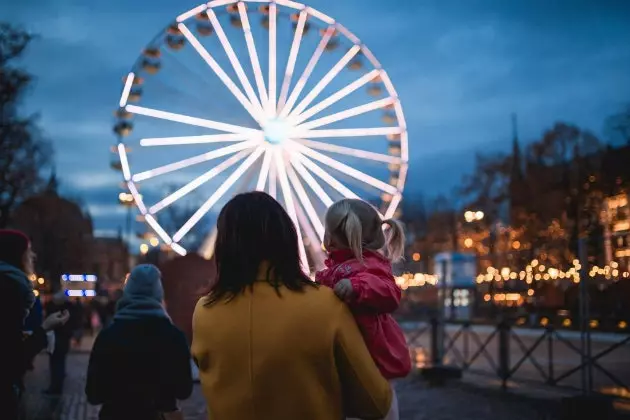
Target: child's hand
343	289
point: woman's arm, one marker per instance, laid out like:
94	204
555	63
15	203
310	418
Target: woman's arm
366	394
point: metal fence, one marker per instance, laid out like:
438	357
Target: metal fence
546	356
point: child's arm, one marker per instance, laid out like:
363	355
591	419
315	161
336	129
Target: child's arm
375	292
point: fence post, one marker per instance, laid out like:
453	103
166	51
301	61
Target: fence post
585	331
504	352
436	351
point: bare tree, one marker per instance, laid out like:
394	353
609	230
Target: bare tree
617	126
23	152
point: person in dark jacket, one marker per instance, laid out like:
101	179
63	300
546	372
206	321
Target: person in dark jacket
140	364
18	350
63	337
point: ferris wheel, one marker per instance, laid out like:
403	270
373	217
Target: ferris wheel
258	95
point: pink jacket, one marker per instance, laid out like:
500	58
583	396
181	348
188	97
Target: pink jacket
376	297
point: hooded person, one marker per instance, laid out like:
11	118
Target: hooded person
139	366
16	263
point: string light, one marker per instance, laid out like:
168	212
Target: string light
528	275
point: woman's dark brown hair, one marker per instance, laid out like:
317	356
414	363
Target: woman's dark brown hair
253	228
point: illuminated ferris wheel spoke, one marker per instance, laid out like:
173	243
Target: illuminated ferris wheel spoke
349	151
216	196
295	48
273	182
312	182
325	80
253	55
212	138
290	204
325	176
306	202
349	132
272	58
185	119
341	167
200	180
294	152
192	39
264	171
307	72
236	64
337	96
348	113
204	157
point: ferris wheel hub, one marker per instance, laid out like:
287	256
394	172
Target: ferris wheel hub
276	130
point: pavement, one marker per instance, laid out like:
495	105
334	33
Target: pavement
417	400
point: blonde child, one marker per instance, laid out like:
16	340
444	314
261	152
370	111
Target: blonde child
359	270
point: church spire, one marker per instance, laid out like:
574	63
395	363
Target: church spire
53	184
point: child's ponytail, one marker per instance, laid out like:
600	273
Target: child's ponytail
353	231
395	242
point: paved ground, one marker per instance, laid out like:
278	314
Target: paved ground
417	401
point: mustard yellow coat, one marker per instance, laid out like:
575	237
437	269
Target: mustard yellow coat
298	356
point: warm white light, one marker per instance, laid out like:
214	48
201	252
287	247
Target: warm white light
361	176
276	131
325	176
319	15
264	171
236	64
253	55
216	196
136	196
200	180
289	3
306	203
306	176
182	140
184	163
290	205
124	163
307	72
295	47
191	13
337	96
363	154
272	176
348	113
219	71
349	132
158	229
185	119
178	249
324	81
126	90
272	59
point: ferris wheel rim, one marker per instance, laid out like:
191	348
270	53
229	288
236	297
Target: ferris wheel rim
248	141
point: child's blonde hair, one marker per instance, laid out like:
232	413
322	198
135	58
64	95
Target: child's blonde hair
357	225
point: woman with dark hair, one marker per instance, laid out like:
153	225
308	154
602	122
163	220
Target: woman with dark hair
16	261
269	343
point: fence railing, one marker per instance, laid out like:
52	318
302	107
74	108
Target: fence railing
546	356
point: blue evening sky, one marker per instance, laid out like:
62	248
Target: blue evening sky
460	68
